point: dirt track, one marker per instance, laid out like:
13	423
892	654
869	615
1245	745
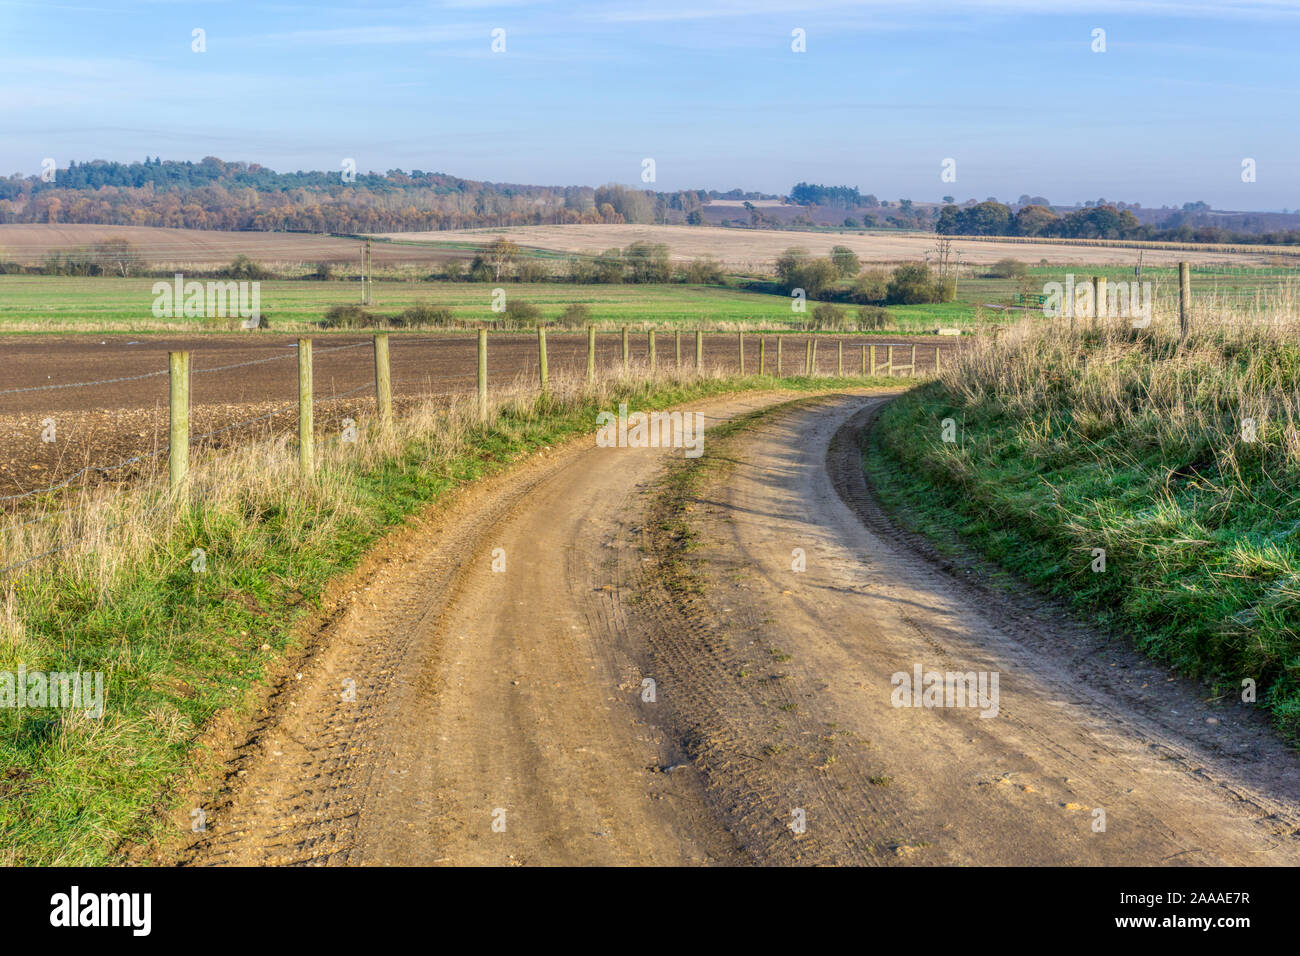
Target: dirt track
479	691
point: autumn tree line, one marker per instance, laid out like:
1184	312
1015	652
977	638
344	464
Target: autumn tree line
236	196
1101	221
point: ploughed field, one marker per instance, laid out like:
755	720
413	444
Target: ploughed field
97	429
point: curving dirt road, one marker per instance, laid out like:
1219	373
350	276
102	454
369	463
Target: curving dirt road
502	716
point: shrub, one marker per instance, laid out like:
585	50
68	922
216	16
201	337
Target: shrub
819	277
828	317
349	317
872	317
531	270
871	287
323	272
609	266
913	283
703	271
422	315
582	270
453	270
245	268
846	261
574	316
1008	269
519	314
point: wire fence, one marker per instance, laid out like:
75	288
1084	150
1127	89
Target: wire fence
760	360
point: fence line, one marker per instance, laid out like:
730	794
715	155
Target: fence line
180	441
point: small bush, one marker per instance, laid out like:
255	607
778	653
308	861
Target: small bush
245	268
871	287
703	271
872	317
914	284
574	316
828	317
530	270
323	272
1008	269
453	270
424	316
349	317
521	314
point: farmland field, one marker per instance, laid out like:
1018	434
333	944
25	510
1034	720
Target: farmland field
756	249
122	414
32	303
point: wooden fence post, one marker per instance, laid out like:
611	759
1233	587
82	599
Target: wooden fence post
1184	300
626	351
591	354
864	361
913	359
762	355
779	340
178	452
306	449
653	359
890	371
482	375
807	357
741	346
699	349
383	381
873	360
840	368
541	357
936	359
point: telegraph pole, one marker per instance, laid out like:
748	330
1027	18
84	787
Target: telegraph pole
370	274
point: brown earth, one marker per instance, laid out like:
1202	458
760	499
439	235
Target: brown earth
517	695
756	250
751	250
100	426
163	248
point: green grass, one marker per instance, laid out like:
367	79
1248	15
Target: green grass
179	648
107	304
1202	564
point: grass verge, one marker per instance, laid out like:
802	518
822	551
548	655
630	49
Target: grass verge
1151	484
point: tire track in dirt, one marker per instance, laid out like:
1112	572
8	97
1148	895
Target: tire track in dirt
476	691
935	785
482	691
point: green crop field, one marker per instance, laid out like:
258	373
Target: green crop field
34	303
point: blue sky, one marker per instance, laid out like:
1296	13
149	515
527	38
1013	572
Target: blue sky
711	90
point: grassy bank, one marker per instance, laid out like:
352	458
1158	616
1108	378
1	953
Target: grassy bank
1182	463
180	641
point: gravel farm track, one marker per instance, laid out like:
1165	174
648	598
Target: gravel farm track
515	696
102	425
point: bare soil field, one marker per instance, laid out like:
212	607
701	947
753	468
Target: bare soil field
747	250
756	249
101	425
200	248
500	714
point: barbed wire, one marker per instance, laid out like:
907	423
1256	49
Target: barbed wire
106	381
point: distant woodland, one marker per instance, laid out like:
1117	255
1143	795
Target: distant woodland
238	196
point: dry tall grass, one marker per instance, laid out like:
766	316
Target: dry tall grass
95	537
1239	362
